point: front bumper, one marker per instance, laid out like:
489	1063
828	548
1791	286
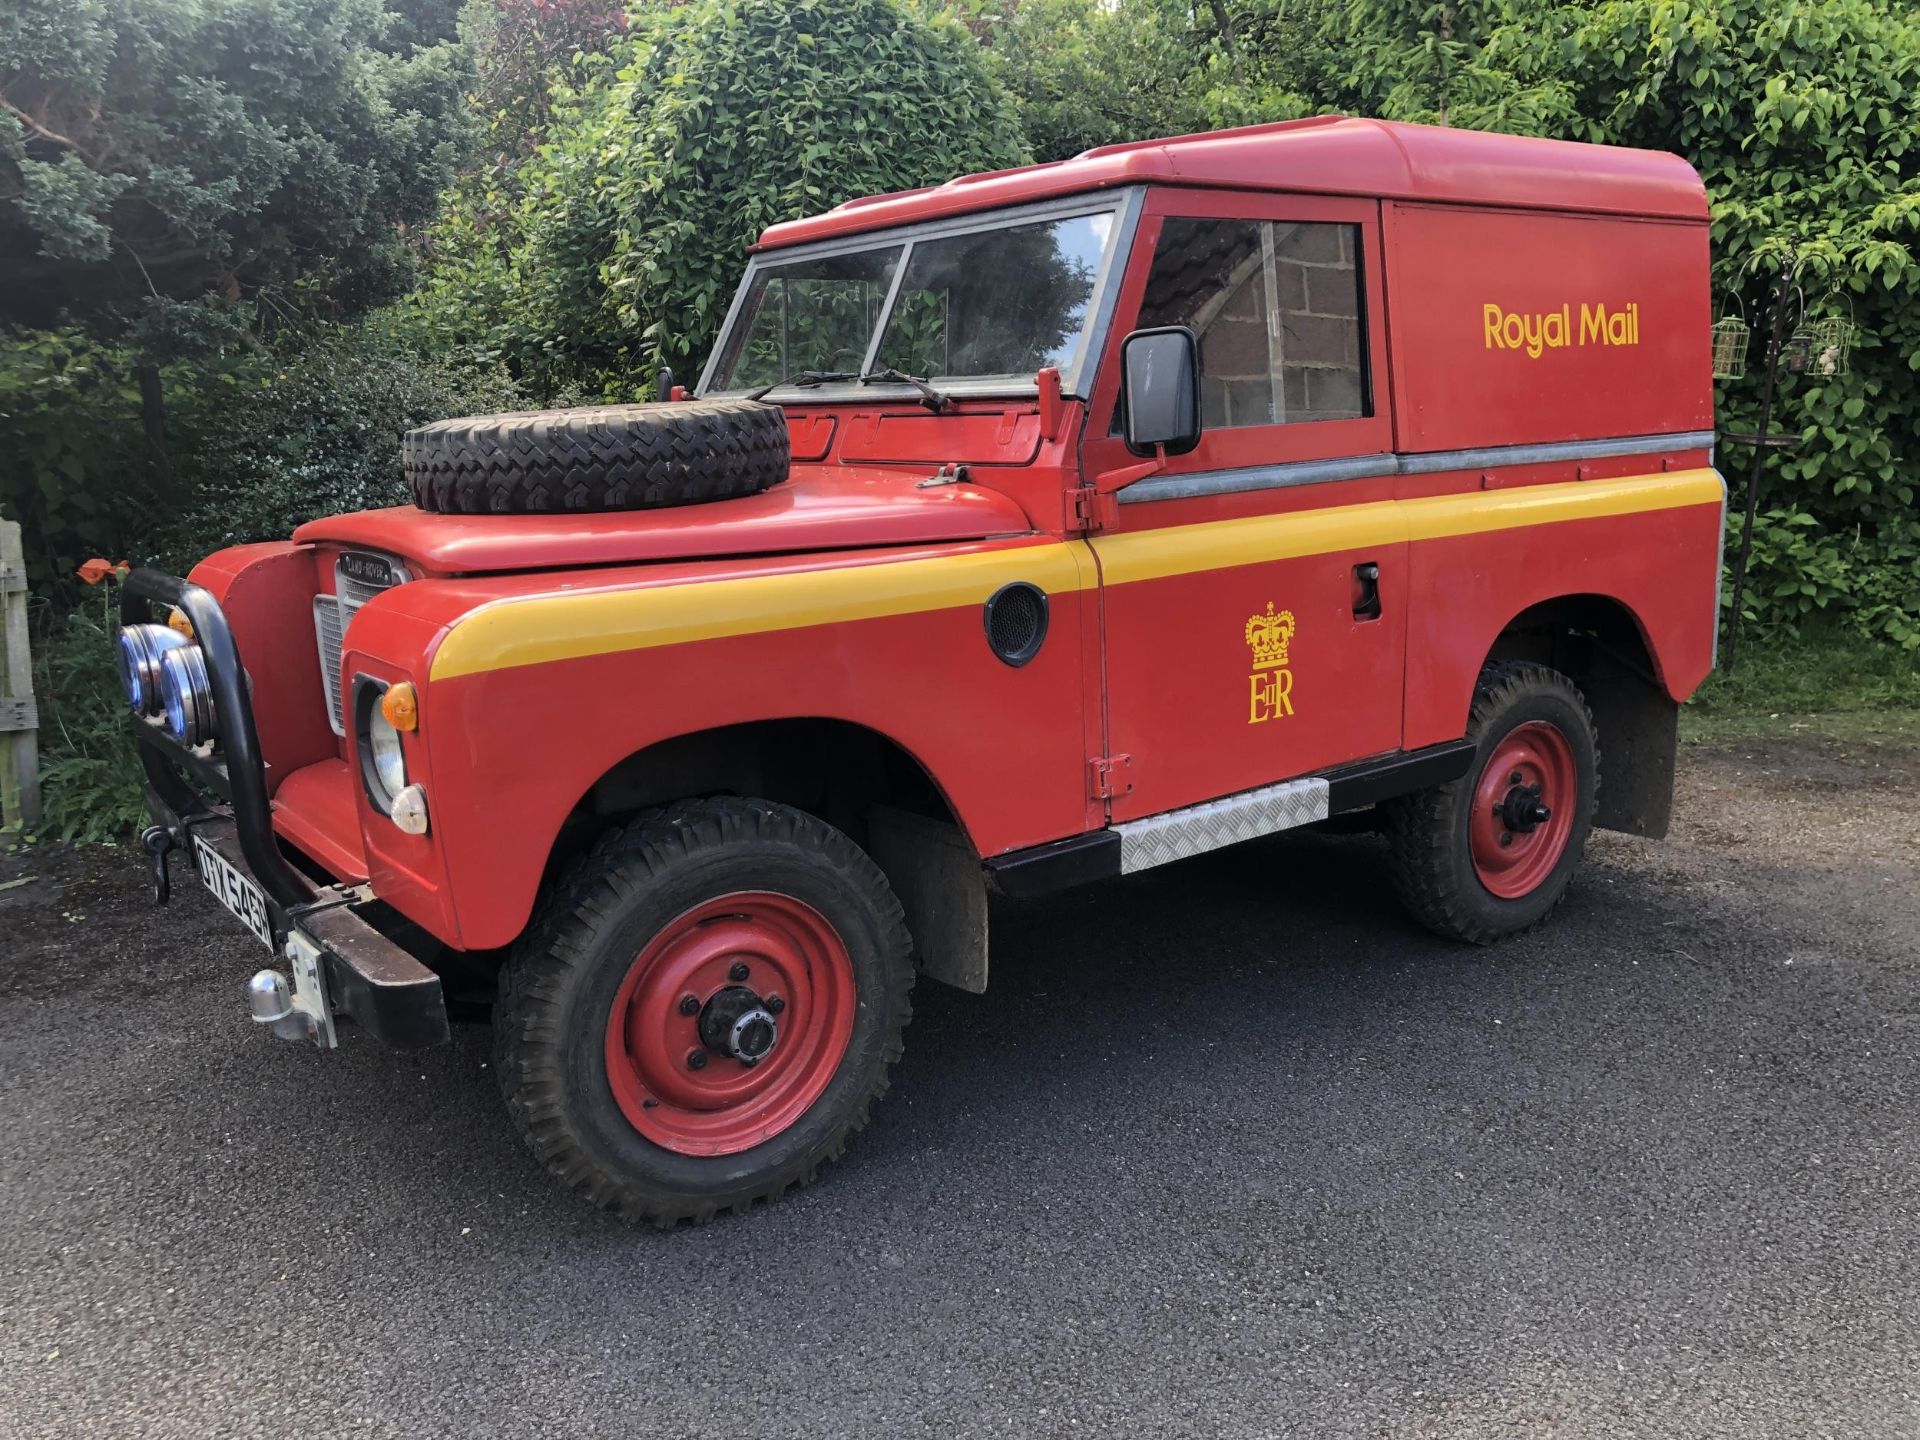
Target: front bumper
326	932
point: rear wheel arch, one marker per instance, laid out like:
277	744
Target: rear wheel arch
1607	651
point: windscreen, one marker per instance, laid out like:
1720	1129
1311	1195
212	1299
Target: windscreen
814	314
995	303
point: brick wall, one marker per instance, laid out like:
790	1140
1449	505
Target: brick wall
1314	320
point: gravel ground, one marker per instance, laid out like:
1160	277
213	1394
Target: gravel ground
1229	1150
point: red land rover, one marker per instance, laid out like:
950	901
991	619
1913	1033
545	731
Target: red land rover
1034	528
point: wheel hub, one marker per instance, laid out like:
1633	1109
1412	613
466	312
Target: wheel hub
730	1023
736	1023
1521	810
1524	804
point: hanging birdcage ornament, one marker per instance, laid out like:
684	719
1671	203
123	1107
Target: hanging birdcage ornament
1832	342
1731	336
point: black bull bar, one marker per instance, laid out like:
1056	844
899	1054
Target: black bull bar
369	977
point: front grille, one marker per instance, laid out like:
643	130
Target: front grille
332	614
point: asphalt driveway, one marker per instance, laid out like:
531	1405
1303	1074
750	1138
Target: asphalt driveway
1228	1150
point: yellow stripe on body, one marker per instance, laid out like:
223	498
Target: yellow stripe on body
540	628
1223	544
566	626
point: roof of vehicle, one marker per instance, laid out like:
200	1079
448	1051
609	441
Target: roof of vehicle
1324	155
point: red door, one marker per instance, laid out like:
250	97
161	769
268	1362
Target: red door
1254	591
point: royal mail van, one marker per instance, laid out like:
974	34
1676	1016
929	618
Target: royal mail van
1033	529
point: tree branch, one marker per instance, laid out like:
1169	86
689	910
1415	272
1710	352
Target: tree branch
43	131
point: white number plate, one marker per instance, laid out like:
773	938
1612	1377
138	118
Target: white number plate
234	890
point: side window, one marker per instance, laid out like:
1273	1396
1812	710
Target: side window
1277	309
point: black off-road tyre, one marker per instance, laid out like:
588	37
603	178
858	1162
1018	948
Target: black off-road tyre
615	457
1427	833
558	987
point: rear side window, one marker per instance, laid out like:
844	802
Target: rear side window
1277	307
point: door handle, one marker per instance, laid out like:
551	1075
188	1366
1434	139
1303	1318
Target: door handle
1366	591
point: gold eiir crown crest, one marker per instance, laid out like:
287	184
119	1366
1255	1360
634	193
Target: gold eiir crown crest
1269	635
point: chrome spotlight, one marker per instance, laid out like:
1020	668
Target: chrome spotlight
186	699
137	652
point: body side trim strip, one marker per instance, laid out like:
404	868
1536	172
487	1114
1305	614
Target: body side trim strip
573	624
535	629
1259	477
1131	556
1364	467
1439	461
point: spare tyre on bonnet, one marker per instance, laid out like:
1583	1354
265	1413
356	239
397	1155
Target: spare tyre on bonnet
611	457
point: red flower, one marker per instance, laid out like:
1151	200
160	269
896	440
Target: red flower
96	570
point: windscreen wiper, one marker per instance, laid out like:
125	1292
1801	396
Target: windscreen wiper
933	399
802	378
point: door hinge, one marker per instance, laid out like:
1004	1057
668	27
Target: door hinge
1086	507
1110	776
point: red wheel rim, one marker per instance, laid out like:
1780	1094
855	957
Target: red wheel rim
1514	850
788	955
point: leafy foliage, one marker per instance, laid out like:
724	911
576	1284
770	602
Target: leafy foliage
1824	667
615	249
1802	571
1084	74
1093	72
158	150
260	440
192	192
76	467
89	775
1800	119
523	51
319	435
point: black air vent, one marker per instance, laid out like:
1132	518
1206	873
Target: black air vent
1016	621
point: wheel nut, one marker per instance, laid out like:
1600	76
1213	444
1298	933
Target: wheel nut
739	970
689	1005
774	1004
696	1060
1514	779
1506	838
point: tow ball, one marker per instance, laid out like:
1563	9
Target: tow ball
302	1010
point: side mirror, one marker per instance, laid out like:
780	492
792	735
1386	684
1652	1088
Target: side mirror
1160	388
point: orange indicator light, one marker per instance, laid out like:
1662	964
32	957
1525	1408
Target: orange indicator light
401	706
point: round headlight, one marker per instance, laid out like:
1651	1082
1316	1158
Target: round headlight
383	749
137	651
185	698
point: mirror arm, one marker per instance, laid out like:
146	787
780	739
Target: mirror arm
1113	480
